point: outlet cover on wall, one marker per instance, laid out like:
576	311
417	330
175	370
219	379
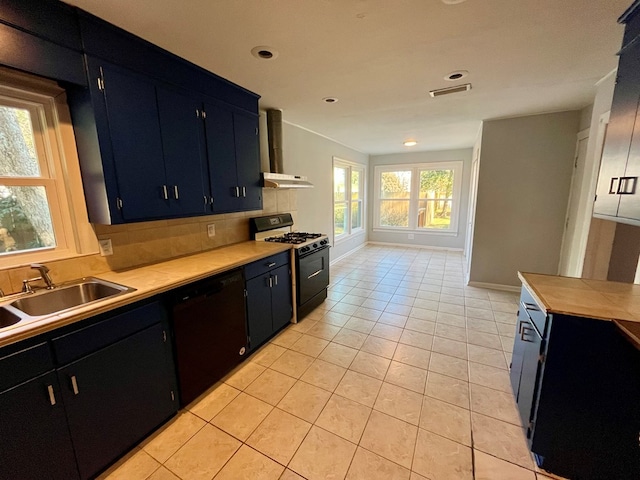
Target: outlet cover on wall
105	247
211	230
410	236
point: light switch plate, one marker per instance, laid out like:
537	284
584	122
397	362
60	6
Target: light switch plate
106	248
211	230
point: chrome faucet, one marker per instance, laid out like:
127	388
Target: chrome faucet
44	274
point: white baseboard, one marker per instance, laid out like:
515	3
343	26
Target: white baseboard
345	255
410	245
495	286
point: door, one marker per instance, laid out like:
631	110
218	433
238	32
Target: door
281	303
473	196
259	315
221	156
184	152
248	160
34	437
136	143
115	396
571	256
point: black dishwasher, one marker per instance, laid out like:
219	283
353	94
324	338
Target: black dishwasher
210	331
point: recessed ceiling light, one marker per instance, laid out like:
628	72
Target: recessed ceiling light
330	100
410	143
264	53
452	2
457	75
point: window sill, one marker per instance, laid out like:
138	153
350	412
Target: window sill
439	233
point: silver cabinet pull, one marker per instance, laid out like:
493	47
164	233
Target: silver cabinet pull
275	279
175	192
206	200
314	274
237	191
270	282
530	306
52	396
272	264
165	193
244	192
74	384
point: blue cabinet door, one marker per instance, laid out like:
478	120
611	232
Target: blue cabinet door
281	304
115	396
247	147
221	158
259	316
184	151
132	131
34	438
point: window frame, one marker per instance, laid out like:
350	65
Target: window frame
414	200
349	167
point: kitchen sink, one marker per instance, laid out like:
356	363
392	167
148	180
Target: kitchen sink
61	298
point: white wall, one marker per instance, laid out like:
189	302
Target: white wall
523	188
424	239
309	154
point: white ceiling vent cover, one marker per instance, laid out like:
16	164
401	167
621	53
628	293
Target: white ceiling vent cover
449	90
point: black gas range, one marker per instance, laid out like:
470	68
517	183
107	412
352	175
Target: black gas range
311	257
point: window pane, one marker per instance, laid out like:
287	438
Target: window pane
25	220
394	213
434	214
395	184
339	184
339	219
356	214
436	183
17	146
355	184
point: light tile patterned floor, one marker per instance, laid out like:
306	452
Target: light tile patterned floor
401	374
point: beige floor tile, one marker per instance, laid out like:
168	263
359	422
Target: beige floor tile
397	309
305	401
323	455
242	416
268	354
279	436
389	437
415	476
427	304
247	464
451	332
488	467
324	375
491	377
450	366
452	348
287	338
353	299
506	330
204	455
487	356
292	363
324	330
163	474
493	403
374	304
500	439
423	314
350	338
305	324
335	318
446	420
414	356
270	386
136	465
243	376
485	326
344	308
483	339
209	404
455	300
393	319
406	376
439	458
361	388
338	354
480	313
451	319
417	339
451	308
402	300
422	326
370	364
167	440
388	332
346	418
309	345
400	403
367	465
360	325
379	346
448	389
290	475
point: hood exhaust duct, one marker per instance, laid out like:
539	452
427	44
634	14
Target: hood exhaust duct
276	178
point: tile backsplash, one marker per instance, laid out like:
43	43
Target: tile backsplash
137	244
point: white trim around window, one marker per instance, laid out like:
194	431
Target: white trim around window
412	210
349	199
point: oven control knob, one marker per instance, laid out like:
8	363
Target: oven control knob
324	242
304	249
315	245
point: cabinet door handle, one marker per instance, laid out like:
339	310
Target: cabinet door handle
175	192
275	280
612	188
530	306
206	200
165	193
272	264
623	188
244	192
316	273
52	396
524	331
74	385
270	281
238	192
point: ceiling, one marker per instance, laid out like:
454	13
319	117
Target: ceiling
380	58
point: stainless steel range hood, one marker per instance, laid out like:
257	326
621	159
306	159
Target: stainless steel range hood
276	178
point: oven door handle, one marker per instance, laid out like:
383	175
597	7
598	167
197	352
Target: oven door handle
316	273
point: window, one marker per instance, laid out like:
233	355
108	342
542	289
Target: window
348	198
36	216
419	197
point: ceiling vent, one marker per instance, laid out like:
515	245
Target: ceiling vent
449	90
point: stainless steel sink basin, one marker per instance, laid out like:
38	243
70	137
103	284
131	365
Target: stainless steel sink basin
61	298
